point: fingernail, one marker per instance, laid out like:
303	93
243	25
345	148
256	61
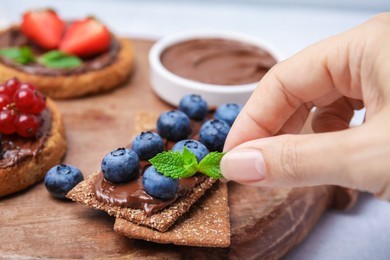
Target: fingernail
243	166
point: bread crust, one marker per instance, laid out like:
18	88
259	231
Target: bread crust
91	82
32	170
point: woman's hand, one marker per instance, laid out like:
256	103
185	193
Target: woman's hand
346	72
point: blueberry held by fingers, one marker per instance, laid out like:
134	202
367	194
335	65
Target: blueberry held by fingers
60	179
158	185
120	165
173	125
196	147
147	145
228	112
194	106
213	134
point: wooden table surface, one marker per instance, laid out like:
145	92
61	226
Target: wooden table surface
265	224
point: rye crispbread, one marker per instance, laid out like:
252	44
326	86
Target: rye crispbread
192	220
205	225
84	193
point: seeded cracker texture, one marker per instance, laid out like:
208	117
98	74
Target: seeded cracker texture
84	193
205	224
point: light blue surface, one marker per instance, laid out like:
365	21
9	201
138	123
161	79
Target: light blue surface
363	232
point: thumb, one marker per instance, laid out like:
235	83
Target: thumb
345	158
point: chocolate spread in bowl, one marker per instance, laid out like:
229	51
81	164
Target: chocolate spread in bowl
12	37
15	149
217	61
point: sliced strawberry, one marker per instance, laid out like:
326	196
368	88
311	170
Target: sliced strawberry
85	38
44	27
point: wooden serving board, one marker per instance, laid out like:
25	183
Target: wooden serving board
265	224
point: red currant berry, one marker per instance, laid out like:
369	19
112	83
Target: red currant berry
6	91
12	85
40	103
25	100
7	122
3	90
4	101
27	125
27	85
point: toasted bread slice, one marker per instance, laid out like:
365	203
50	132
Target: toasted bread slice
31	170
79	84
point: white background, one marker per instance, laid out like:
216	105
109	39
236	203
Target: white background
361	233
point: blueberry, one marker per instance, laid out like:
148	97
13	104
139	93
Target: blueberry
228	112
173	125
157	185
147	145
120	165
196	147
194	106
213	134
60	179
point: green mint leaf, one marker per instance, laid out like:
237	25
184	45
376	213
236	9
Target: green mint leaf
209	165
59	60
190	163
174	164
183	165
22	55
27	55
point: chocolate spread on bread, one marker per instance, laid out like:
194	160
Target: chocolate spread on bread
217	61
16	149
12	37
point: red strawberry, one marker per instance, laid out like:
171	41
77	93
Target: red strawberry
85	38
44	27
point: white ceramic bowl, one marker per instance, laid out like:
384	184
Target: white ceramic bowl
171	87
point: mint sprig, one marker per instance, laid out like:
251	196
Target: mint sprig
58	59
52	59
209	165
183	165
22	55
175	164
